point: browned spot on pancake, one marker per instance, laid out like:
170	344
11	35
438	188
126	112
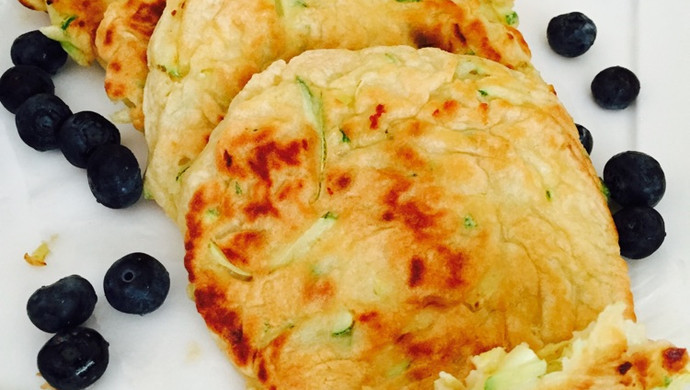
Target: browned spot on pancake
173	12
418	374
249	240
417	269
372	320
454	262
477	29
343	181
641	365
428	37
146	16
272	156
411	212
196	204
484	111
624	368
108	39
114	65
375	117
227	158
674	359
459	35
368	316
260	208
290	190
261	373
448	109
211	302
234	257
318	290
414	217
410	158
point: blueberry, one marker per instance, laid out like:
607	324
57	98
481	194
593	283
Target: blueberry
82	132
585	137
641	231
571	34
114	176
38	120
615	88
136	284
34	48
20	82
634	179
73	359
64	304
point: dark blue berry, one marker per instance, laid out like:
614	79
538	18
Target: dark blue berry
114	176
571	34
73	359
20	82
64	304
136	283
585	138
38	120
82	132
615	88
641	231
34	48
634	179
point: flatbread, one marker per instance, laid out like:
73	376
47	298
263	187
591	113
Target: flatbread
366	219
204	51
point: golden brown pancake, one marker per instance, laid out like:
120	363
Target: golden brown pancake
366	219
122	40
204	51
114	33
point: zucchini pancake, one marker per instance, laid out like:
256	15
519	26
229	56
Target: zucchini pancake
367	219
375	194
113	33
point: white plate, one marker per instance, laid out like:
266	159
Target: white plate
43	198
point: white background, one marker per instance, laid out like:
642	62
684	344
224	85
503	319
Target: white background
43	198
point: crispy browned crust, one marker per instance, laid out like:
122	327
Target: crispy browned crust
441	203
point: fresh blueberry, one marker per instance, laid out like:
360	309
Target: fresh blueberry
634	179
571	34
64	304
136	284
82	132
34	48
615	88
20	82
38	120
641	231
73	359
585	137
114	176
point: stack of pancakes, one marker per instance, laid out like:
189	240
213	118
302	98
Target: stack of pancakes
371	192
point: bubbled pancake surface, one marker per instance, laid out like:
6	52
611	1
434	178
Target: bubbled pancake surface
369	218
203	51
